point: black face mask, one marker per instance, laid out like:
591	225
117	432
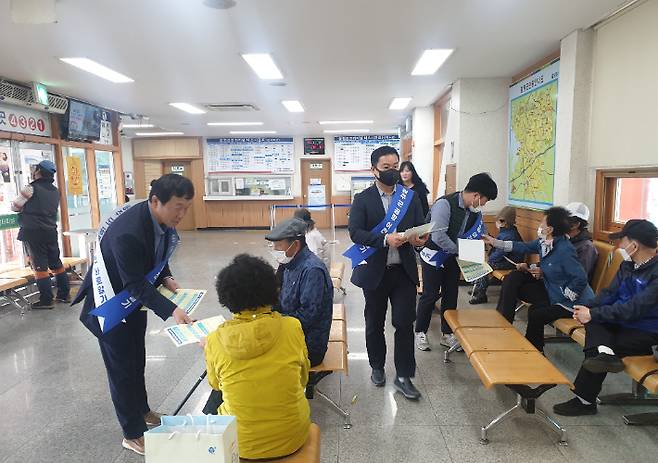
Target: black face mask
389	177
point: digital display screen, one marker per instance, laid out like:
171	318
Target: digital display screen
313	145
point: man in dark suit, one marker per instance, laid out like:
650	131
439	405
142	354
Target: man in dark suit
388	270
135	243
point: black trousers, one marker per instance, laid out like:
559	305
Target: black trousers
520	285
440	282
538	317
124	354
397	287
624	341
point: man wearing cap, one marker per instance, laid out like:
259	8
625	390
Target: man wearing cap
306	289
623	319
37	207
581	238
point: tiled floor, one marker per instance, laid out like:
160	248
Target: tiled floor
55	405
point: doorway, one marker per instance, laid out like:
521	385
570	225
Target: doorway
181	168
316	190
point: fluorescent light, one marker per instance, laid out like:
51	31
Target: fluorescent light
158	134
252	132
97	69
399	103
294	106
344	122
137	126
348	131
188	108
234	124
263	65
430	61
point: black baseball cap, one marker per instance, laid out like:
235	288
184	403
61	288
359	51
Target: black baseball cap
305	215
290	229
639	230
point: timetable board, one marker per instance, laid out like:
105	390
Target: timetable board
255	155
352	153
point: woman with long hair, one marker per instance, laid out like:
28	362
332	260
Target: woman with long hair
410	179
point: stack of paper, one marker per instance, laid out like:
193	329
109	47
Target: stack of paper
473	271
186	299
190	334
471	250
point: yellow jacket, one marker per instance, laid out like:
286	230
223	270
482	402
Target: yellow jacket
260	363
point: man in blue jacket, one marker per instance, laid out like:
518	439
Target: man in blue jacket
306	289
622	321
135	244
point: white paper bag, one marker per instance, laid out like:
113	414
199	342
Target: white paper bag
201	439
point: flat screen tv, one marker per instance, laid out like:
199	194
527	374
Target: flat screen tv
313	145
82	121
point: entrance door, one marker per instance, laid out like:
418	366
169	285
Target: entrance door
316	190
182	168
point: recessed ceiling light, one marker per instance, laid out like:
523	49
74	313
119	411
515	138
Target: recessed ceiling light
158	134
399	103
137	126
188	108
294	106
252	132
344	122
430	61
234	124
348	131
263	65
97	69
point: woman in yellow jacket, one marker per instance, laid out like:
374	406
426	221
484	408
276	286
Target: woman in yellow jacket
259	361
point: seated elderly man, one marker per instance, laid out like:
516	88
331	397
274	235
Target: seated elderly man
306	289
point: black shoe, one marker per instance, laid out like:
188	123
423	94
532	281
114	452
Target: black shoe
407	388
574	407
64	299
603	363
478	299
378	377
43	305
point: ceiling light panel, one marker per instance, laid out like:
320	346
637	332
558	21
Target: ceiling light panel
399	103
158	134
345	122
234	124
430	62
263	65
252	132
137	126
348	131
188	108
294	106
98	70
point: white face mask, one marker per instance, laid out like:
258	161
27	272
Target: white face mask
478	208
498	225
625	254
540	233
281	257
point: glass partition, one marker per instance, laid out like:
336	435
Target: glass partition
105	180
77	192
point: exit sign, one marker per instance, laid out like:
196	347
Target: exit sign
40	93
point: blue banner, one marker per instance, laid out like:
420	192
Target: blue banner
438	257
402	197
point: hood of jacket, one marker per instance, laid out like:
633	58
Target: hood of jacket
250	333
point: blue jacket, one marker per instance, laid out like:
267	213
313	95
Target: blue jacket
497	255
631	299
308	295
562	271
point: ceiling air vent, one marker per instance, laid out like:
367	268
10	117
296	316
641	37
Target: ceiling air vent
231	107
21	95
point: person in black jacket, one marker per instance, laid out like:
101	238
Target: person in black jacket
387	269
410	178
622	321
134	244
37	216
581	238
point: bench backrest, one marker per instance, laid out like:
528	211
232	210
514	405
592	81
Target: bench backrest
611	270
603	261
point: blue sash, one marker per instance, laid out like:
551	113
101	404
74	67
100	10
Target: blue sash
438	257
118	307
402	197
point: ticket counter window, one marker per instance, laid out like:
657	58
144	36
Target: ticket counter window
105	180
77	193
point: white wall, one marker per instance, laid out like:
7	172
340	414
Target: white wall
451	138
423	144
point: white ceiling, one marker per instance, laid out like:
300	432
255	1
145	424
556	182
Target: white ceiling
344	59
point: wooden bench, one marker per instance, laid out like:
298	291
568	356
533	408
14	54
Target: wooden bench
339	312
309	453
502	356
8	289
336	272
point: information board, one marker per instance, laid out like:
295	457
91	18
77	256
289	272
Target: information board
352	153
255	155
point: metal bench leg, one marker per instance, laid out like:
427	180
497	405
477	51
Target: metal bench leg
637	396
446	354
550	420
12	293
642	419
483	431
347	422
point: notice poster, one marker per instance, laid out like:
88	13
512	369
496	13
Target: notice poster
352	153
5	164
317	195
272	155
73	175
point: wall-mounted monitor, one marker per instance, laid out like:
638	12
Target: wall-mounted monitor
82	121
313	146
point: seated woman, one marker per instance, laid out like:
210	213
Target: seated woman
258	360
555	285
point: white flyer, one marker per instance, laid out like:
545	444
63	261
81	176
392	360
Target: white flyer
182	335
471	250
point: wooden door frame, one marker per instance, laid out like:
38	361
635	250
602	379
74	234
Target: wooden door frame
329	186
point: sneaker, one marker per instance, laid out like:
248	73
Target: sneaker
449	340
574	407
603	363
407	388
153	418
421	342
43	305
136	445
478	299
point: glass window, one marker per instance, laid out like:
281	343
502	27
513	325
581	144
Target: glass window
107	192
249	186
77	192
636	198
8	183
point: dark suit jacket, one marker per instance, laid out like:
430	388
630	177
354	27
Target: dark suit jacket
367	211
128	248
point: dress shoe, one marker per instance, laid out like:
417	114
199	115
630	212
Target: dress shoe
153	418
603	363
574	407
407	388
378	377
136	445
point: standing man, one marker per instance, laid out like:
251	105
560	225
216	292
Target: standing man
131	261
37	216
384	266
457	215
306	289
